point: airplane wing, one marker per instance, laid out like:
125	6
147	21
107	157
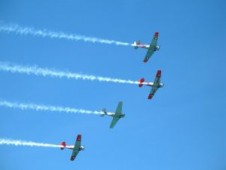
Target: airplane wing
157	78
155	85
152	93
149	54
116	117
113	122
119	109
154	39
151	48
76	147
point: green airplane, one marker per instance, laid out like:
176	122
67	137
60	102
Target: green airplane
75	148
151	48
116	116
155	85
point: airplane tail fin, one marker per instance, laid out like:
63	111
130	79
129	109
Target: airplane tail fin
136	43
141	82
62	145
104	112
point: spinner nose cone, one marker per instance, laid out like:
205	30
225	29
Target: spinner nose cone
157	47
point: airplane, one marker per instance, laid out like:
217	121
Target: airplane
75	148
151	48
116	116
157	84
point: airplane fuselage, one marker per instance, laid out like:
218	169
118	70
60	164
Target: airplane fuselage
118	116
112	114
146	46
143	46
158	85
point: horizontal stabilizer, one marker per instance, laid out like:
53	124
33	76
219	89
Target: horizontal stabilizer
136	44
104	112
62	145
141	82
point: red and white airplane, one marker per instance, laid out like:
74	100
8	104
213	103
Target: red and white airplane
151	48
75	148
155	85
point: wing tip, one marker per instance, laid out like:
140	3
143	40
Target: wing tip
145	60
158	74
150	96
112	125
72	158
79	136
156	34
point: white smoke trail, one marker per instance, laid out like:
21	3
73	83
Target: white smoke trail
36	107
26	143
38	71
58	35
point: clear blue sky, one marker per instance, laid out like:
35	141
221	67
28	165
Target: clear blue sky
182	128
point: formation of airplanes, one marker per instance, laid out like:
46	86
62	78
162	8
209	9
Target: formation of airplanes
77	147
118	114
151	48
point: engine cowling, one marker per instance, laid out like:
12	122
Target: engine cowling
82	148
157	48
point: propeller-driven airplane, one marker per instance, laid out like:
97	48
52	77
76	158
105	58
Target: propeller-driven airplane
157	84
75	148
116	116
151	48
